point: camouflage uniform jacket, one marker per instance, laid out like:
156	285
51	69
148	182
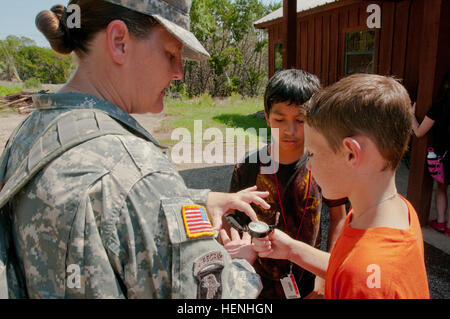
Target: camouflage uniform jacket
103	220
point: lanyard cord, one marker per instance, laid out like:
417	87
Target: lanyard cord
281	204
279	199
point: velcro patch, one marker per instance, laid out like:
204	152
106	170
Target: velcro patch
196	221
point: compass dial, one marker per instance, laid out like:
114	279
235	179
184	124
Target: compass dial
258	229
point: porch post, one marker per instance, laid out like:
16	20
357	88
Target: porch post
290	34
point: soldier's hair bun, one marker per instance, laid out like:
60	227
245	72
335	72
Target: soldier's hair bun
96	17
52	23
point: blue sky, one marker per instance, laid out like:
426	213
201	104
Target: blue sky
17	17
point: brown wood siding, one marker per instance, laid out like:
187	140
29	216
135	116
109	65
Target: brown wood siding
386	38
321	39
334	48
275	36
411	75
325	50
318	46
302	51
399	46
311	45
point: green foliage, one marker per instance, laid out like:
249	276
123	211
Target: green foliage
178	90
5	90
254	79
32	83
43	64
234	111
238	51
232	85
274	5
20	58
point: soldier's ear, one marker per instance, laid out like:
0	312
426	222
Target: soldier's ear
118	41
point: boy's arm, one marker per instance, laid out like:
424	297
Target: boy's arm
337	221
279	245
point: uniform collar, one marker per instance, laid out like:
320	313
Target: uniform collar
73	100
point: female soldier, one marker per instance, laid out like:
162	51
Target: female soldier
109	216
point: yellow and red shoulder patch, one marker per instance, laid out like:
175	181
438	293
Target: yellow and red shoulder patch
196	221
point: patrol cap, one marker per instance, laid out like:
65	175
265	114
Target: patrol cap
174	16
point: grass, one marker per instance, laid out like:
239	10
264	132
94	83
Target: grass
232	112
5	90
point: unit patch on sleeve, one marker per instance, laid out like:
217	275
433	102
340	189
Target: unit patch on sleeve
196	221
208	270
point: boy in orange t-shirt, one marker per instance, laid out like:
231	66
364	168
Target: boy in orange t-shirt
356	133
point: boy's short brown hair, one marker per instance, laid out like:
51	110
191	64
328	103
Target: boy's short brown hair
364	104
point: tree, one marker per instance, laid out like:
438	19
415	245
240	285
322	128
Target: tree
238	52
43	64
8	49
21	59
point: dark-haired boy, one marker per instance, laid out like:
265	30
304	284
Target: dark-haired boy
356	133
293	191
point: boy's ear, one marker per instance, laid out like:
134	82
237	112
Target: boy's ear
118	41
352	151
267	118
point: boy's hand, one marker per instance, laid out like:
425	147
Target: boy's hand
277	245
238	247
220	203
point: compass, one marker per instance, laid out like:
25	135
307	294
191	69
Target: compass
259	229
243	223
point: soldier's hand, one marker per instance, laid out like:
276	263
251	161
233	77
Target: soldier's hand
220	203
238	247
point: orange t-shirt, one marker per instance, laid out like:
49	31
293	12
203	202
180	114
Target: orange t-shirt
378	262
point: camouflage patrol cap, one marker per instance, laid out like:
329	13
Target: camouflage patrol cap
174	16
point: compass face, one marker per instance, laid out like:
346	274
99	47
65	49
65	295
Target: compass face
258	229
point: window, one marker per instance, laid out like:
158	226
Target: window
278	57
359	52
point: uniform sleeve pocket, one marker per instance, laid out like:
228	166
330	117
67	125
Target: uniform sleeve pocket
172	208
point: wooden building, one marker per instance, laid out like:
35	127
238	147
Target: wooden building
409	39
